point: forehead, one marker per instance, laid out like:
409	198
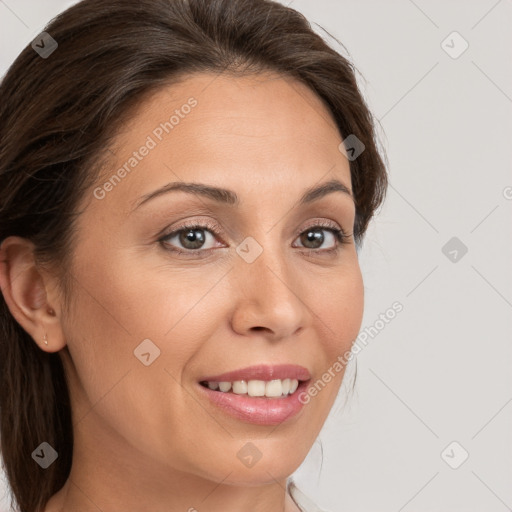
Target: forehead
259	105
236	132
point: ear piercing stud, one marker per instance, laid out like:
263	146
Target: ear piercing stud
45	340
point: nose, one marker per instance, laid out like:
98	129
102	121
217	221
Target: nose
270	297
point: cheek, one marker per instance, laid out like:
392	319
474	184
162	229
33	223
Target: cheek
178	310
339	306
116	308
124	300
340	309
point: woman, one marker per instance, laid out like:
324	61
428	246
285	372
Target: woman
184	186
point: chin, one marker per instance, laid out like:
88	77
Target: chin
271	466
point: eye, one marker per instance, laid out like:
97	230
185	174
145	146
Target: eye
312	238
193	237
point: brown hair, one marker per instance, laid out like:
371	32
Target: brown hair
58	115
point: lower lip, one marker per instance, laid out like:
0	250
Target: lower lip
258	410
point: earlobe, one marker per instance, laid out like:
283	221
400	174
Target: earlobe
24	288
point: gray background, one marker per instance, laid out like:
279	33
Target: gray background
439	372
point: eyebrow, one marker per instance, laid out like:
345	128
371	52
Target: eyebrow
229	197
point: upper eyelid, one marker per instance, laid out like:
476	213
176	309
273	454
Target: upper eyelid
210	225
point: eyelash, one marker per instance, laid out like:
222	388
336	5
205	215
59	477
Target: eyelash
340	235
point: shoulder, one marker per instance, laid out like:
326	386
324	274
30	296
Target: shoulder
303	502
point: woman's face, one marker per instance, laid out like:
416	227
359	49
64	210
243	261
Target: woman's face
250	288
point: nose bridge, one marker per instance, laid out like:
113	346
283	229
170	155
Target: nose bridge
266	263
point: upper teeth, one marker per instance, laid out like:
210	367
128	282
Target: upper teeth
272	388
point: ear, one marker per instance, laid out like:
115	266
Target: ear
30	294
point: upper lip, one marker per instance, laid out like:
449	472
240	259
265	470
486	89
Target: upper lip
262	372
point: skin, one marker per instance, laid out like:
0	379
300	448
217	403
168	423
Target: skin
144	438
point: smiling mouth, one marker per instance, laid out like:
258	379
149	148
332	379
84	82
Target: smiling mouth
276	388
